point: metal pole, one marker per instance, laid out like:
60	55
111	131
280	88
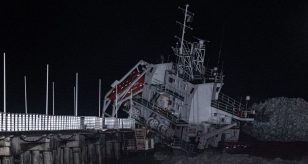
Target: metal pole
47	89
116	101
53	98
183	30
4	85
74	100
99	98
26	102
131	103
76	112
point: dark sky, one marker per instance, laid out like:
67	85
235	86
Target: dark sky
265	46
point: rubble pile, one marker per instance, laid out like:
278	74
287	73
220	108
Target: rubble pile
280	119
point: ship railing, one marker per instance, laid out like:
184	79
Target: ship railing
232	110
171	90
232	106
96	123
90	122
157	109
229	100
119	123
213	76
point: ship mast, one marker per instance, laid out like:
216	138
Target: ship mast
190	55
183	29
184	62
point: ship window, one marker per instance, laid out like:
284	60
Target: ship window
171	80
215	114
222	119
192	90
151	70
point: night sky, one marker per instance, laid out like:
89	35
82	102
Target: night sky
264	46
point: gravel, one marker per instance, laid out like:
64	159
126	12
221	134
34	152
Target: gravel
280	119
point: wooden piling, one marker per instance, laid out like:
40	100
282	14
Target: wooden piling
35	157
66	155
47	157
76	155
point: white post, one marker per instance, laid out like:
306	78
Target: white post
53	98
116	101
47	89
4	85
26	102
131	104
99	98
74	100
183	31
76	106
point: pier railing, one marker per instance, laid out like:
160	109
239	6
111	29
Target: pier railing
37	122
17	122
91	122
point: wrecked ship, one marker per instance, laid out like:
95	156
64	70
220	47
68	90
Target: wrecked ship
179	103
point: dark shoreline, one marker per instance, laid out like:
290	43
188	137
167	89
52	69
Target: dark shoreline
294	150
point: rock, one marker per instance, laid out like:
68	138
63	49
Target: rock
280	119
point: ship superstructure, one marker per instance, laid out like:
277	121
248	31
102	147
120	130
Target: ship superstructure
180	103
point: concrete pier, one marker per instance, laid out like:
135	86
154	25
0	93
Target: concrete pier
70	148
